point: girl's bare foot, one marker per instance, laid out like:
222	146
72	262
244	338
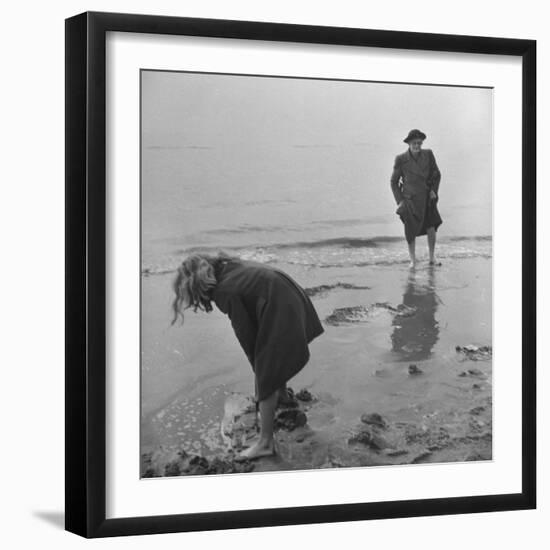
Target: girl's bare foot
412	265
258	450
251	440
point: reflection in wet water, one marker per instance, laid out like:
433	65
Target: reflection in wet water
414	337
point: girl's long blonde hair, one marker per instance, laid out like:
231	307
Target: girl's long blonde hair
194	283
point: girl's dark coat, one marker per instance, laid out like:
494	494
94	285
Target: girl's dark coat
411	181
273	319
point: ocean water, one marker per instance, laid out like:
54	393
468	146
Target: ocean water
315	220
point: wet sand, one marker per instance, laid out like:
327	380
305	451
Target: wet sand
389	353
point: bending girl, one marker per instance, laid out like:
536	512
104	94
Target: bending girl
271	315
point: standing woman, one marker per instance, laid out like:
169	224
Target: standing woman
273	319
415	186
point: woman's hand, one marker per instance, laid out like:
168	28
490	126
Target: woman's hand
433	195
400	207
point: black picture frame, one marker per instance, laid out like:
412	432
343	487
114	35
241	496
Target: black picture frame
85	372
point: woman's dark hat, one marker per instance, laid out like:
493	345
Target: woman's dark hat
415	134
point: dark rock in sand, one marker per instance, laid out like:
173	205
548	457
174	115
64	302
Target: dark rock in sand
186	465
475	353
476	425
169	463
480	436
374	419
421	457
352	314
288	400
370	439
359	314
414	370
426	437
197	465
165	462
224	466
304	395
172	469
378	442
364	437
331	463
396	452
477	410
400	311
472	372
476	386
289	416
290	419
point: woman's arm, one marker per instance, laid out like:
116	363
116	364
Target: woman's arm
435	174
395	180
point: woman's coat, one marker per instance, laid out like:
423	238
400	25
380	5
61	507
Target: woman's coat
273	319
411	180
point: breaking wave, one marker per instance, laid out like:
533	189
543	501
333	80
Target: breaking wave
332	252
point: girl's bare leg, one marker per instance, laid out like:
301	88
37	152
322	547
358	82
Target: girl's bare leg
265	445
430	231
412	253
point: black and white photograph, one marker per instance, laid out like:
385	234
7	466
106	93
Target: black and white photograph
316	273
286	264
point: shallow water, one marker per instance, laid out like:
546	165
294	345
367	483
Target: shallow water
188	372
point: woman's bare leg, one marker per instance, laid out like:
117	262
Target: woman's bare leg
412	253
430	231
265	445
